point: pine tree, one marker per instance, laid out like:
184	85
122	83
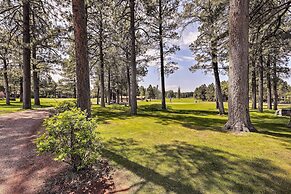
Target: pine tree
238	113
81	54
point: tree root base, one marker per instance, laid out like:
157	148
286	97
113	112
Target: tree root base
239	127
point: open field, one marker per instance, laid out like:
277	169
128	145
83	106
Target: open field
184	150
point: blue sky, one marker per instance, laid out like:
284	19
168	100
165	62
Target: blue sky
187	80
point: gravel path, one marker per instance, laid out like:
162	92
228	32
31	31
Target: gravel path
21	170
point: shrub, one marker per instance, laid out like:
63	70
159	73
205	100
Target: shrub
71	138
65	105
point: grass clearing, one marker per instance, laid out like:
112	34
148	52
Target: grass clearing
183	150
16	105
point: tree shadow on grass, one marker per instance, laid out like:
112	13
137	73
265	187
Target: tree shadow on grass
110	113
190	121
184	168
277	129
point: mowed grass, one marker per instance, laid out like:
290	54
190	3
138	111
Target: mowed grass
16	106
184	150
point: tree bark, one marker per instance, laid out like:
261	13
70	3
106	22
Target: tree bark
81	53
117	96
275	83
6	82
21	89
269	86
261	85
109	86
35	78
98	93
238	113
164	107
75	88
133	107
254	87
26	56
101	55
219	98
128	81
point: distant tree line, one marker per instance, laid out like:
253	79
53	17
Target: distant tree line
207	92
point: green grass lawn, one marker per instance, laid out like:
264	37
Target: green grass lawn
17	105
183	150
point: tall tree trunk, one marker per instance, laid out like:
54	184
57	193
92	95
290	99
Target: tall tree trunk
219	98
98	93
128	81
75	88
275	83
35	78
162	56
261	85
6	82
121	94
269	86
81	53
117	96
109	85
238	113
254	87
21	89
26	57
133	107
101	55
82	64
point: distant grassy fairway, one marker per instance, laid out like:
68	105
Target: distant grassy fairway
183	150
17	106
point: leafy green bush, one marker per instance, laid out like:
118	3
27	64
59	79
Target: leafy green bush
65	105
71	137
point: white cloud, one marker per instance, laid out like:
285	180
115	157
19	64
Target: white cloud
187	37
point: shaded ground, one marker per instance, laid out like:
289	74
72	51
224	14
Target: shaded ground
22	171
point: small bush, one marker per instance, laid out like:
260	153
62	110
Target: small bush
71	137
65	105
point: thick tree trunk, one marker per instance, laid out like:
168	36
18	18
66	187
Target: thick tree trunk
269	86
238	113
261	85
6	82
82	64
164	107
254	87
218	92
275	83
133	100
101	55
26	57
81	53
109	86
35	78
